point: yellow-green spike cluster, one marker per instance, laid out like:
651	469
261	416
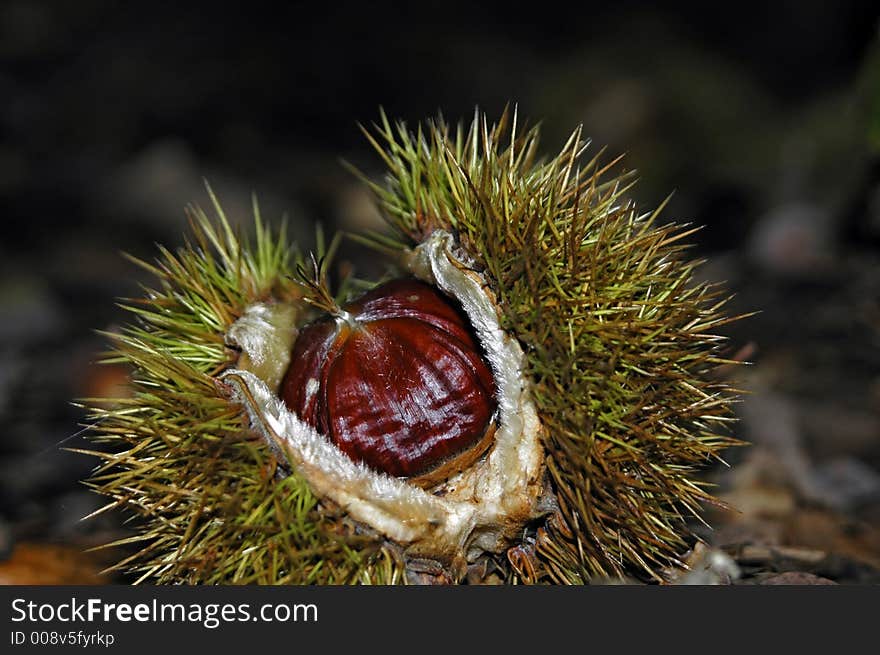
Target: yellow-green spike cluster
210	506
617	333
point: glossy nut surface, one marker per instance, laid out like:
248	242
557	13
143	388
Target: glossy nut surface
396	380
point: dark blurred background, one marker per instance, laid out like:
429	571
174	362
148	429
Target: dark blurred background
763	120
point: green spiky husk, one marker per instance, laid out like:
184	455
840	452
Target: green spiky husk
618	335
208	502
620	356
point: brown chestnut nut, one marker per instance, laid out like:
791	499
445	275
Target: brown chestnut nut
397	381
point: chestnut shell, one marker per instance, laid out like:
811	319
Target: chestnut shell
397	381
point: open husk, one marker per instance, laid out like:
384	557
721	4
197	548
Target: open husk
483	508
602	343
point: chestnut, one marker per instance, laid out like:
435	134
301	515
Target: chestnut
396	380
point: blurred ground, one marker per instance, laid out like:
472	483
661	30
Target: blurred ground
764	121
